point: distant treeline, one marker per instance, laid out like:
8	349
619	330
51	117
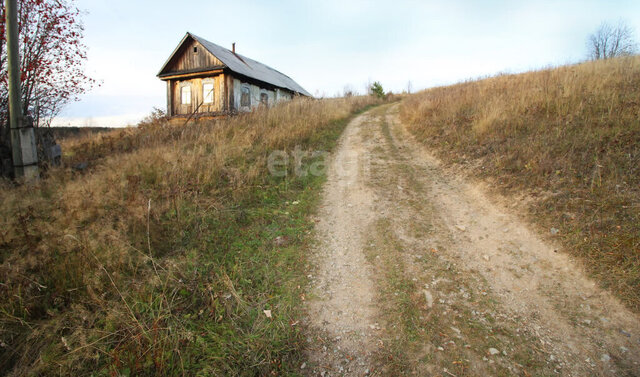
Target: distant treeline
67	132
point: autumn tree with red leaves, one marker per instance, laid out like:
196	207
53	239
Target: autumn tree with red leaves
52	58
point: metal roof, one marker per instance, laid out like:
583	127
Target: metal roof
244	66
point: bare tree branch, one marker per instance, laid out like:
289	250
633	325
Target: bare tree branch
610	41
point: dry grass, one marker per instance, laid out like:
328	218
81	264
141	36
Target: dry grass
567	137
158	259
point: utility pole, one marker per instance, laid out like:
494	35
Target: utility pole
23	141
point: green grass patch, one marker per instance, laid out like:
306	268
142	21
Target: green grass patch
180	256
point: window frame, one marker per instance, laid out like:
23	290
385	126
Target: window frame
264	98
242	95
185	88
211	93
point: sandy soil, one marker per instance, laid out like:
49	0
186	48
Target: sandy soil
344	308
539	300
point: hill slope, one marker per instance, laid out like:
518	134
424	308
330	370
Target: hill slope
163	255
567	140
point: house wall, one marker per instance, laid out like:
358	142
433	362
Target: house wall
283	95
274	95
227	95
197	95
186	59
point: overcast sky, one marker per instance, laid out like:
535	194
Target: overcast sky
329	44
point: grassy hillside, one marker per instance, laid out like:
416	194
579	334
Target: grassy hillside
567	137
162	256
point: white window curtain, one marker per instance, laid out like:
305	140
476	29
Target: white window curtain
207	92
185	94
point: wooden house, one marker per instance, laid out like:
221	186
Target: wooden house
206	79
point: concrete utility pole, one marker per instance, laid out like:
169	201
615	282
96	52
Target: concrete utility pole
23	141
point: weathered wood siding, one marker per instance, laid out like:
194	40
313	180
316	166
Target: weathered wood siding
194	66
197	95
170	98
228	93
255	94
283	95
187	60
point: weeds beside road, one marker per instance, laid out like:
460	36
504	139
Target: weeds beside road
175	252
566	141
419	272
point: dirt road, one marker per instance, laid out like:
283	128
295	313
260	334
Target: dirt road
421	272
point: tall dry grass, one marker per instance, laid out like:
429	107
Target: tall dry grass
568	136
158	258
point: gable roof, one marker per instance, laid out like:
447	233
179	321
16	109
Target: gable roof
242	65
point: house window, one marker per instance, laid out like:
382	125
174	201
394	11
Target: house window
264	99
185	95
195	50
207	92
245	98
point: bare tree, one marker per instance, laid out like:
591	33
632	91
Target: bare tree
348	91
610	41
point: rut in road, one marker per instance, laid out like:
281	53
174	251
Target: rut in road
419	272
344	311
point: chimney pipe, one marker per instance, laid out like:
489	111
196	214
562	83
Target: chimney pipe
233	47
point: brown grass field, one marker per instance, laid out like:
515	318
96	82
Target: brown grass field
568	140
159	258
162	255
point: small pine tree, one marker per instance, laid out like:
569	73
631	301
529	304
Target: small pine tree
376	90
